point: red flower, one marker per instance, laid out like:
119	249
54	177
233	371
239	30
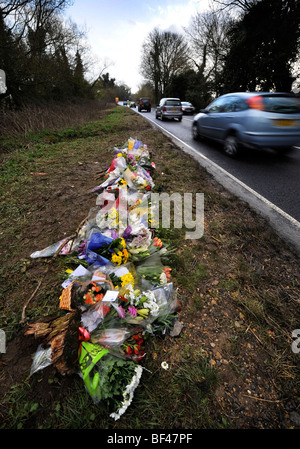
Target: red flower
105	309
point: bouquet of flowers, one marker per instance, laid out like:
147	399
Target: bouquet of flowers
102	250
127	292
108	378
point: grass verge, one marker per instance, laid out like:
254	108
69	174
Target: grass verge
231	366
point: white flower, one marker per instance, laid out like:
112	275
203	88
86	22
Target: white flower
163	278
164	365
128	393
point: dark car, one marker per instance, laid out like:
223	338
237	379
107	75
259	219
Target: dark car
169	108
144	104
251	119
187	107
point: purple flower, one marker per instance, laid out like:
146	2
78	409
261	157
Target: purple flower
114	234
127	232
81	248
121	312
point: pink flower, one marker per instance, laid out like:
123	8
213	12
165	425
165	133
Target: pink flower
121	312
132	310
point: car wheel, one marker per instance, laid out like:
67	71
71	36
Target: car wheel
231	145
195	132
180	118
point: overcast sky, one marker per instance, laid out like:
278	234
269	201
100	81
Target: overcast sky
116	29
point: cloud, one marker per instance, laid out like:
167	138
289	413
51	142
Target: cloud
117	29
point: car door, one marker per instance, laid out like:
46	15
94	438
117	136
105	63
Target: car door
211	120
158	108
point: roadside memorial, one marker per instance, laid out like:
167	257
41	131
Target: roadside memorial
120	294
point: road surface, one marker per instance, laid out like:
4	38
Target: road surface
271	179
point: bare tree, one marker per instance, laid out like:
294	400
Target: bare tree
165	54
19	13
244	5
207	36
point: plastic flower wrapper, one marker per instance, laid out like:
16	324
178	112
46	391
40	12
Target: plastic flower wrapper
139	250
153	271
42	359
147	165
91	317
143	307
113	331
108	378
70	246
138	149
108	219
122	276
112	336
138	178
137	199
103	250
133	347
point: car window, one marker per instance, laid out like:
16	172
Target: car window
281	104
217	105
173	103
234	104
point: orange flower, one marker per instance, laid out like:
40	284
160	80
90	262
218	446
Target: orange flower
99	296
88	298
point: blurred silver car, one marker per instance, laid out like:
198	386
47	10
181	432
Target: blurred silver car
251	119
169	108
187	107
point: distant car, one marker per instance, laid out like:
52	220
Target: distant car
168	109
187	107
251	119
132	104
144	104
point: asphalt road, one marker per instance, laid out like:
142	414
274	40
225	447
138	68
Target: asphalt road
275	177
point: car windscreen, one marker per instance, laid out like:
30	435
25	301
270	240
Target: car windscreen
173	103
281	104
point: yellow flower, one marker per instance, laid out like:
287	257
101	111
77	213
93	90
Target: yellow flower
117	260
123	243
113	213
127	279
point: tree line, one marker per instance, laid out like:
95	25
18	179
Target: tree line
238	45
42	55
